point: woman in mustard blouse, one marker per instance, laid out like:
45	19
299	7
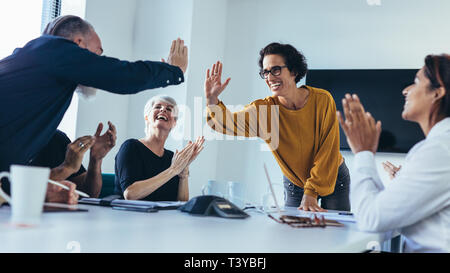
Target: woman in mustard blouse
298	123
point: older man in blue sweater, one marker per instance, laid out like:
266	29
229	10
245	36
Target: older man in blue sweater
37	83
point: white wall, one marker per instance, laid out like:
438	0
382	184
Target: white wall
113	20
332	34
156	25
207	46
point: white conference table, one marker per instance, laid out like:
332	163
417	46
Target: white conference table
103	229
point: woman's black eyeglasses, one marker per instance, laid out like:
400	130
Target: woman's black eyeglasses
276	71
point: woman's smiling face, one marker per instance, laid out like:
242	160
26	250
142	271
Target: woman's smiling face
163	115
281	83
418	99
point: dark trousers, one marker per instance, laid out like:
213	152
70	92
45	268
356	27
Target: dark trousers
338	200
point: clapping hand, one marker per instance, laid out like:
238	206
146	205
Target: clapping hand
198	147
181	159
103	143
213	83
178	55
75	152
362	131
187	156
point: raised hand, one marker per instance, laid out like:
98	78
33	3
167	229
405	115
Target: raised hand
103	143
359	126
213	83
178	55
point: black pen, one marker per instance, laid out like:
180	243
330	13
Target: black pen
139	209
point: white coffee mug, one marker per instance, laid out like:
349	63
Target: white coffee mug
214	187
236	193
28	189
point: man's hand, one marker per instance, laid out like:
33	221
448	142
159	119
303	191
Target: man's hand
103	143
309	203
178	55
75	152
57	194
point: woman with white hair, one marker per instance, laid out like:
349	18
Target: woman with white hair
145	170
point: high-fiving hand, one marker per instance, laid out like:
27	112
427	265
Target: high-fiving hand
213	83
178	55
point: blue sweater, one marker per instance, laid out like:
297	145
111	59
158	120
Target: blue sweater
37	84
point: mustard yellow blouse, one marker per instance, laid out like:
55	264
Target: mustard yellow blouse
305	142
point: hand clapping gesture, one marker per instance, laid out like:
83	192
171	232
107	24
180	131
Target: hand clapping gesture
99	145
359	126
181	160
75	152
103	143
198	147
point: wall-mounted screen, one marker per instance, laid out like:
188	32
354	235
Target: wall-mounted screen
380	91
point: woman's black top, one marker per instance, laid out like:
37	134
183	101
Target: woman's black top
135	162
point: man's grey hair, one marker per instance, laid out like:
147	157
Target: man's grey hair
67	26
158	98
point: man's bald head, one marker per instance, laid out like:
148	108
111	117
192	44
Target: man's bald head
77	30
68	26
83	34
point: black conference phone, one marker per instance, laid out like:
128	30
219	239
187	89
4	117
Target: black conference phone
214	206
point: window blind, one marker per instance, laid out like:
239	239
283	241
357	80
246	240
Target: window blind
50	10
